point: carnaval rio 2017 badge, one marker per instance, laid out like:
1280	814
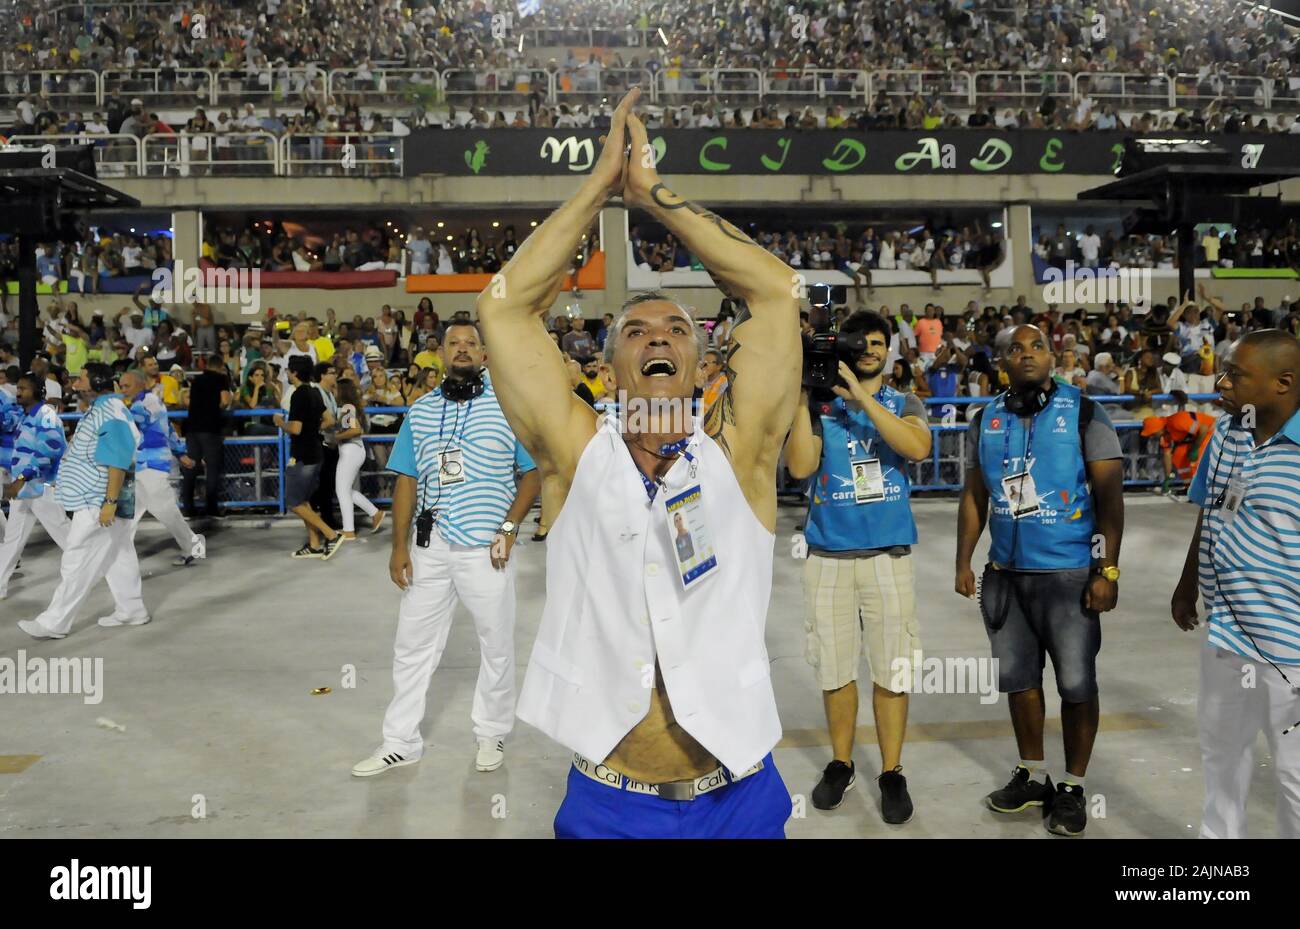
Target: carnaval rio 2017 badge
690	536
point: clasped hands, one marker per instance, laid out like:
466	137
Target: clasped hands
626	166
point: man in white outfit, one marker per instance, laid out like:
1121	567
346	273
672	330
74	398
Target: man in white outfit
38	448
153	462
455	459
650	662
92	484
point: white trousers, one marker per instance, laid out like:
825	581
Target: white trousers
1231	714
442	576
95	552
23	517
351	458
153	493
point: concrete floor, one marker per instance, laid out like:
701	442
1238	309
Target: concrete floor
215	697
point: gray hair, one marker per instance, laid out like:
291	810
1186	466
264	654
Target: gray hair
653	296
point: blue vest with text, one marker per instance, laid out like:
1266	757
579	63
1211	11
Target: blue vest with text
835	522
1059	536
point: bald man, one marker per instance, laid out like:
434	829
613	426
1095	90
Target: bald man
1245	554
1049	461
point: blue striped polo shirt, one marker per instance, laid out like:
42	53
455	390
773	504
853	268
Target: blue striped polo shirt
39	450
1249	571
11	418
469	513
105	438
158	441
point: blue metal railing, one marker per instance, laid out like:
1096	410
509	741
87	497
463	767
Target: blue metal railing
943	471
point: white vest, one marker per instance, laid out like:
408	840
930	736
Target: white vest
615	601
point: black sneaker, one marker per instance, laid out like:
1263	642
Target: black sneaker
1020	793
330	546
836	779
895	803
307	552
1069	815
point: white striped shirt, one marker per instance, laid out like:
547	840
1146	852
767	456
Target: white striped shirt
1249	567
469	513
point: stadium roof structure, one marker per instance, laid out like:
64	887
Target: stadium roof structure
1183	196
1159	183
39	204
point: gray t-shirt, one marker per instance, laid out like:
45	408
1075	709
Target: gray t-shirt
912	406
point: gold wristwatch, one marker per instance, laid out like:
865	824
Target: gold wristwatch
1111	573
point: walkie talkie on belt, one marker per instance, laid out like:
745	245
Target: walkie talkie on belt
424	528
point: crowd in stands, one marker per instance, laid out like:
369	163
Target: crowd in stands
853	249
1211	41
392	359
1135	36
1248	247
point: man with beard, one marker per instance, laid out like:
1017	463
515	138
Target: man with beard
94	485
652	667
455	459
859	586
1049	460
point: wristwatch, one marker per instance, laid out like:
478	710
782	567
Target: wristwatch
509	528
108	502
1111	573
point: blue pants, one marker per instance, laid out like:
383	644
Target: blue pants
755	808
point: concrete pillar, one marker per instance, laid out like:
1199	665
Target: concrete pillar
613	239
187	237
1020	247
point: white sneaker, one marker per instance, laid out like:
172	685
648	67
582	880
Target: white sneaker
491	754
380	762
37	631
115	620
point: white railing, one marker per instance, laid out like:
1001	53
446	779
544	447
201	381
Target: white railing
380	86
675	85
1020	88
198	154
183	88
65	89
498	85
955	88
357	154
818	84
159	87
115	155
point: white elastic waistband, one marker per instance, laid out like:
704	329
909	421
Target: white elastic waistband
603	774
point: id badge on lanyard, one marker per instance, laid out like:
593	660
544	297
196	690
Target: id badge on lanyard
451	467
868	477
1233	497
692	544
1018	488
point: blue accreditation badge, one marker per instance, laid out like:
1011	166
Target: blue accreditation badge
692	545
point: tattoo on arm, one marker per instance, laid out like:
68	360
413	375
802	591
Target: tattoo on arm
661	194
723	412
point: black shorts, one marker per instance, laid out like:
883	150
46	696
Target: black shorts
1044	615
300	482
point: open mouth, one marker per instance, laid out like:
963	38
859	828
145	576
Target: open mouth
659	367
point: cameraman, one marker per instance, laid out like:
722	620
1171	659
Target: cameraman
860	534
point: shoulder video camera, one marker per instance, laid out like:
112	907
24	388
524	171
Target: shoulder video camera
826	348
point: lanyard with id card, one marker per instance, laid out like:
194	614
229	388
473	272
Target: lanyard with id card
1019	489
1233	496
692	545
868	477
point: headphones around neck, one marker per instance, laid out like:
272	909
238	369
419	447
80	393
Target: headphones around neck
460	389
1031	399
